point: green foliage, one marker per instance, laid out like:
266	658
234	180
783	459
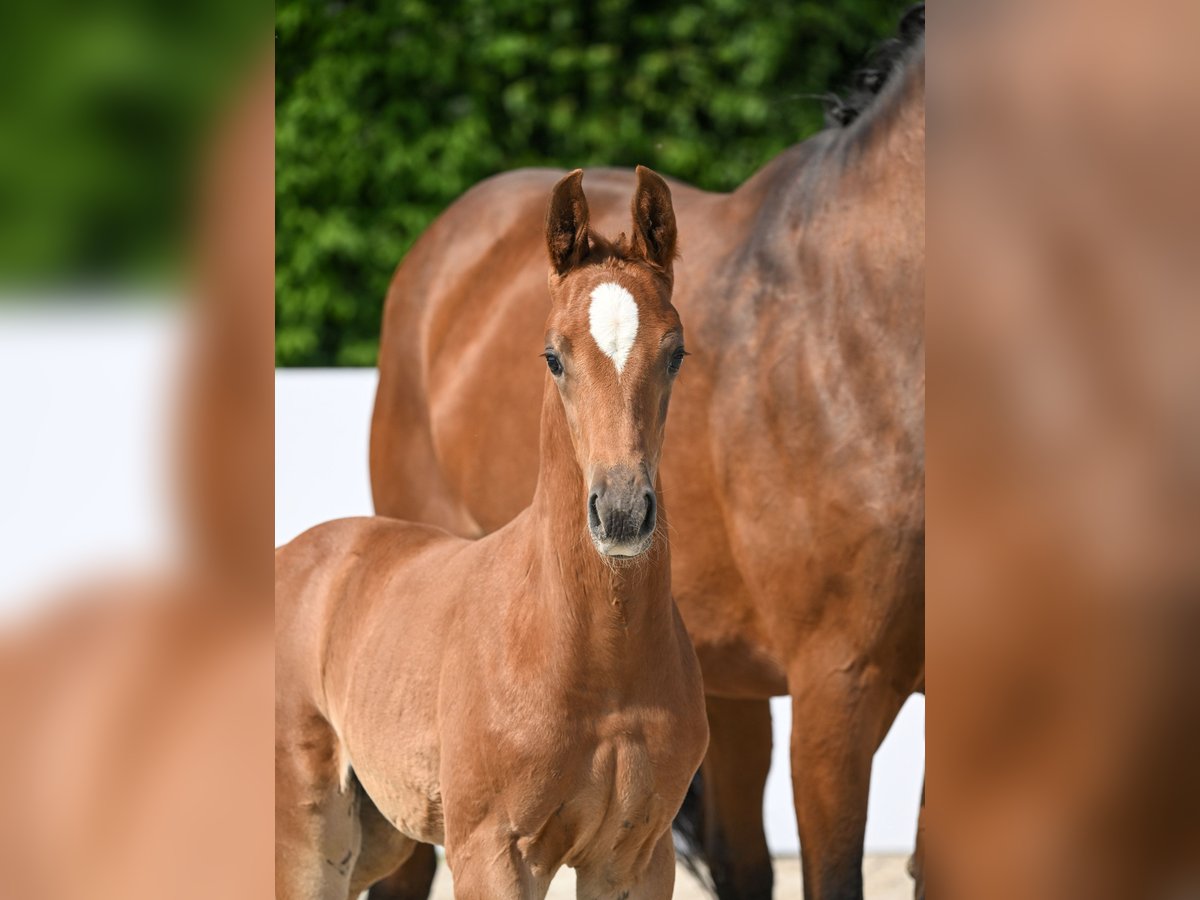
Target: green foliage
106	110
386	112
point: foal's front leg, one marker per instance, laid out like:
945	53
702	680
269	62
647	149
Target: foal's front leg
486	865
657	882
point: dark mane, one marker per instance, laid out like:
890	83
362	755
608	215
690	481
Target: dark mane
884	62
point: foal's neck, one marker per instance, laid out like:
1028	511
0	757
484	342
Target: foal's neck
592	590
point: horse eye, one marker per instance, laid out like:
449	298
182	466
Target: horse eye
553	364
676	361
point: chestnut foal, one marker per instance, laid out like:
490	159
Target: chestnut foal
531	699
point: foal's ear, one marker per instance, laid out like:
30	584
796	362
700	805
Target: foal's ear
567	223
653	219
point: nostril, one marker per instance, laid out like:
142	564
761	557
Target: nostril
593	515
648	522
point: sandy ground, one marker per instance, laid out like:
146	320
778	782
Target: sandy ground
884	878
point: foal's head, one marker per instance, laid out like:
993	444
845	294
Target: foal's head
613	346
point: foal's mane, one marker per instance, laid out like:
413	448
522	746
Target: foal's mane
613	251
885	62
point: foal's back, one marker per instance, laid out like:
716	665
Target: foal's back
351	580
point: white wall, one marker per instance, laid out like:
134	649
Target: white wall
322	419
86	389
322	424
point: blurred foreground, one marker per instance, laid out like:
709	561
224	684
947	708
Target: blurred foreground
136	689
1063	428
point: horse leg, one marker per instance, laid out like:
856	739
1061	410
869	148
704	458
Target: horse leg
657	882
487	866
839	719
412	881
317	831
734	775
916	864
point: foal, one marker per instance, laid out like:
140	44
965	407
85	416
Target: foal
531	699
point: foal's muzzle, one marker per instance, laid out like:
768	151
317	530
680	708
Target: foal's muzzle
622	511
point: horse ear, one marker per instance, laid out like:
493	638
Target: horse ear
654	234
567	223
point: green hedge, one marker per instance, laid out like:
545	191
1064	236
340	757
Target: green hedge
385	112
106	111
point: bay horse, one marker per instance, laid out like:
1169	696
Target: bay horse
531	699
796	463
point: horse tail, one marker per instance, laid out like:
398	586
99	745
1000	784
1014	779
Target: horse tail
688	829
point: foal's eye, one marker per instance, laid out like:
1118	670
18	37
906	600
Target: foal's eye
553	364
676	360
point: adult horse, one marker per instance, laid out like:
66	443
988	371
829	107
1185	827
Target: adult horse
796	456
